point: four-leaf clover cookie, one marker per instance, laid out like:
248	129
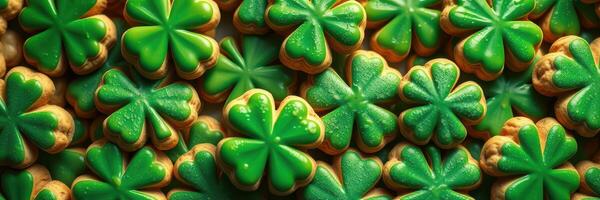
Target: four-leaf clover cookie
532	160
139	109
117	177
315	27
352	104
165	30
442	110
198	168
495	34
563	17
589	171
271	143
32	183
27	122
250	65
351	177
571	71
428	174
405	25
66	31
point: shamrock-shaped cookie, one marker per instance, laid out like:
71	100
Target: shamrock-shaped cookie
425	174
165	30
75	32
27	122
66	165
273	139
353	103
571	71
249	16
563	17
120	178
442	110
404	24
205	129
532	160
252	66
80	92
139	109
11	50
32	183
315	27
589	172
499	36
510	94
351	177
198	168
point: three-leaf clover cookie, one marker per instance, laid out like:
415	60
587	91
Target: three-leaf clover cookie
532	160
139	109
198	169
496	35
272	142
32	183
405	25
250	65
442	110
117	177
428	174
589	171
27	122
11	50
66	31
509	95
80	91
571	71
560	18
314	28
351	177
352	103
165	30
66	165
205	130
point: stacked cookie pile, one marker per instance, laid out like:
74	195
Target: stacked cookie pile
497	99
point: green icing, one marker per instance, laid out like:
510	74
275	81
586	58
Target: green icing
61	30
353	105
64	166
80	92
314	19
580	73
200	132
511	94
118	179
358	175
202	173
430	176
45	194
562	16
537	167
254	68
592	179
271	139
144	106
440	105
402	17
251	13
4	4
17	185
20	121
170	29
499	30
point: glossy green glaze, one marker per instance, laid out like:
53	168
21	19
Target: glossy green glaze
353	104
63	30
200	132
428	175
510	95
536	165
402	18
3	4
17	185
440	105
357	176
562	17
45	194
252	66
202	173
498	30
21	121
80	92
312	20
144	107
66	165
591	177
164	29
118	179
272	139
251	13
